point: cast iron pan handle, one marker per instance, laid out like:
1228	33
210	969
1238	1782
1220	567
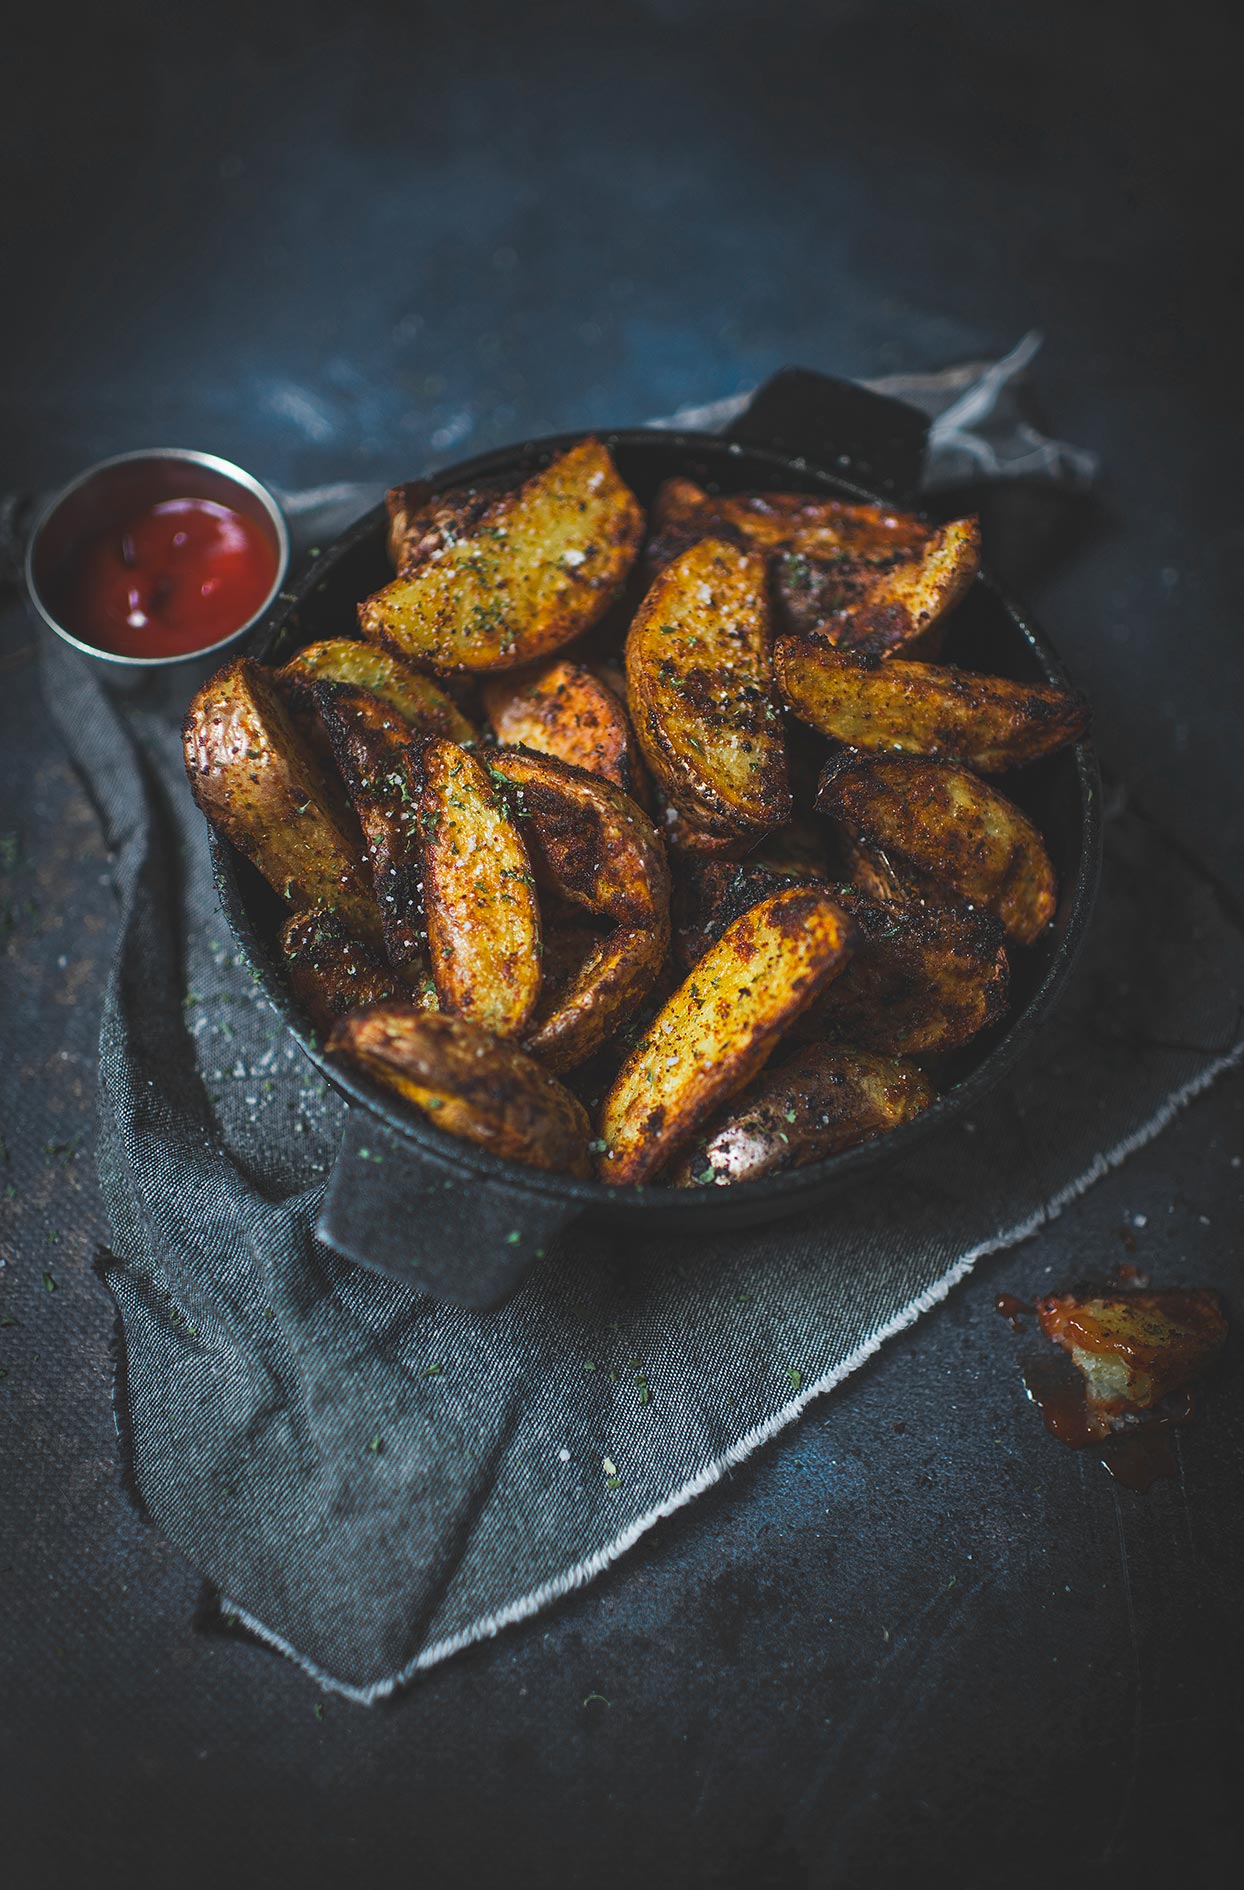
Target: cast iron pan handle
419	1218
840	427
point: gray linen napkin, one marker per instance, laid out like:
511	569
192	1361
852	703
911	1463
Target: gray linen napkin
373	1480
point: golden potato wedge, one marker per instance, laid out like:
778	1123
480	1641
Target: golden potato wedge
379	763
479	895
943	831
469	1083
923	979
720	1027
562	709
880	608
700	690
872	702
331	973
589	842
260	786
1133	1348
401	687
499	579
818	528
608	986
829	1098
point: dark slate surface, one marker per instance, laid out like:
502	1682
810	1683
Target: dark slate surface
916	1638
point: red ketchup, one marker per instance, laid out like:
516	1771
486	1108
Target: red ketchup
172	579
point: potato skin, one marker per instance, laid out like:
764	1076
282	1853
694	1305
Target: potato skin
401	687
495	580
829	1098
699	680
563	710
380	766
469	1083
895	606
720	1027
873	703
479	894
260	786
331	973
945	832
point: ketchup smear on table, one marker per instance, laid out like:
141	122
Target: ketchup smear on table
175	578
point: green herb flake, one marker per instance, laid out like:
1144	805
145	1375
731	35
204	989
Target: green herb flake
49	1284
795	1376
431	1371
376	1445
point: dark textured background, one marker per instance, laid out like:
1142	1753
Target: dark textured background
915	1639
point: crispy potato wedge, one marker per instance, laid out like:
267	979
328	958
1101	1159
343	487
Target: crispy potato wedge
683	837
828	1098
700	690
496	580
792	522
261	787
869	702
608	986
720	1027
878	609
1134	1348
469	1083
331	973
924	979
589	842
479	895
712	894
380	766
945	832
562	709
414	696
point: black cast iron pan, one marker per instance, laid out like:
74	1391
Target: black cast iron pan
408	1200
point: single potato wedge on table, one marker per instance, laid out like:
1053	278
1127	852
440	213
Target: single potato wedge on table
469	1083
700	689
495	580
720	1027
943	831
870	702
261	786
829	1098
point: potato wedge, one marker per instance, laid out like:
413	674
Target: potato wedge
498	580
924	979
562	709
415	697
469	1083
794	522
987	722
379	763
880	608
479	895
331	973
827	1099
589	842
712	894
260	786
720	1027
943	831
614	977
1134	1348
700	690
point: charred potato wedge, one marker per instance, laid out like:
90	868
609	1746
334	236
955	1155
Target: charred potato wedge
899	606
331	973
987	722
469	1083
479	895
608	986
945	832
413	696
260	785
498	580
768	522
1134	1348
700	689
712	894
924	979
720	1027
380	767
589	842
562	709
827	1099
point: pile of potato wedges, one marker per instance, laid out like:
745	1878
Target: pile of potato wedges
665	850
